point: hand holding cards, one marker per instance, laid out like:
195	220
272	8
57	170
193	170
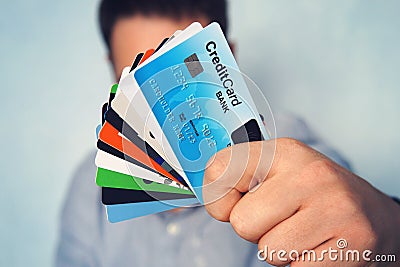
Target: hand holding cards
173	109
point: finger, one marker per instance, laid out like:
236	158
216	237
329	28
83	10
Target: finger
234	169
289	220
299	233
273	202
230	174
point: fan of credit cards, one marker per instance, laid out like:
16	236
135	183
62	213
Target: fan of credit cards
172	110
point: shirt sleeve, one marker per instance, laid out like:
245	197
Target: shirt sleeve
80	227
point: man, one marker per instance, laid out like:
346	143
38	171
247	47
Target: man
303	202
185	238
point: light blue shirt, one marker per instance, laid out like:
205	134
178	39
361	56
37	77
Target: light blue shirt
170	239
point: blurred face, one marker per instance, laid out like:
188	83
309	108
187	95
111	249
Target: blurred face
138	33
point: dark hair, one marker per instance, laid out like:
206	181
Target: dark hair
111	10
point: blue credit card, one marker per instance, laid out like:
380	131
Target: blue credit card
98	128
200	101
123	212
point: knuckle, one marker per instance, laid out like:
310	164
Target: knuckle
291	143
265	242
321	170
216	168
241	226
346	204
222	217
273	243
271	251
368	233
217	214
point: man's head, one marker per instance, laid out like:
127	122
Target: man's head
129	27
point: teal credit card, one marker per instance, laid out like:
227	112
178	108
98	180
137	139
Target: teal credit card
200	100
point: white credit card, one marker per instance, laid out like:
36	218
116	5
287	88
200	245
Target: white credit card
110	162
131	106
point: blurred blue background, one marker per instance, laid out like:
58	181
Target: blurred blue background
335	63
